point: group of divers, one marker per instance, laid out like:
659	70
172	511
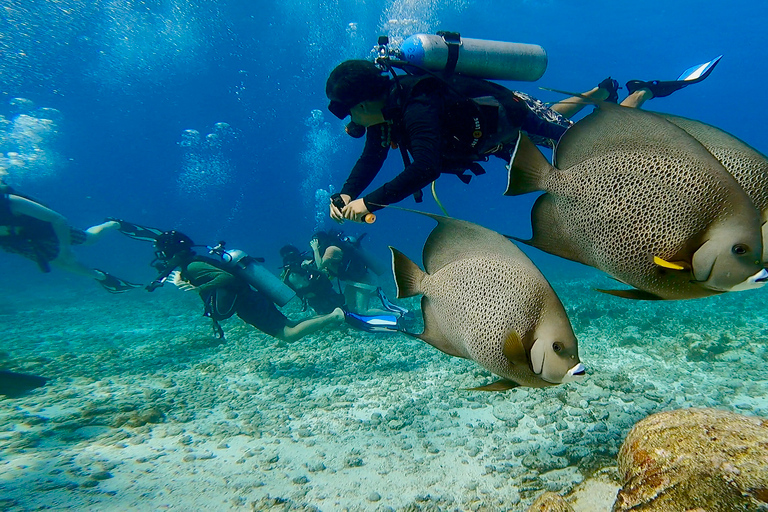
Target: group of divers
394	110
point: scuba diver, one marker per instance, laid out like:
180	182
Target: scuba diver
343	258
223	283
445	122
36	232
313	287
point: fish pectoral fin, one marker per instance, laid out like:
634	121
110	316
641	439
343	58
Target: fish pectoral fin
514	350
634	294
408	275
673	265
432	333
499	385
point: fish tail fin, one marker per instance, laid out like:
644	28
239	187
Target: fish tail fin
408	275
527	168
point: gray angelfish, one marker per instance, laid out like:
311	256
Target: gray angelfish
745	163
484	300
639	198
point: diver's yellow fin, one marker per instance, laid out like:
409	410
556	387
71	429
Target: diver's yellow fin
499	385
668	264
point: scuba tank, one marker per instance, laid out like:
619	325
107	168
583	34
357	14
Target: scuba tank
255	274
492	60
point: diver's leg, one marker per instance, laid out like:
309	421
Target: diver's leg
311	325
94	233
637	98
605	91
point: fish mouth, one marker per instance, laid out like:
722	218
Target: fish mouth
578	372
756	281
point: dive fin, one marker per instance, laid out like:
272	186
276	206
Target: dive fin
631	294
527	168
114	284
408	275
13	384
136	231
389	306
692	75
499	385
699	72
372	323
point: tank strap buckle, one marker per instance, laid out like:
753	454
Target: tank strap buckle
453	41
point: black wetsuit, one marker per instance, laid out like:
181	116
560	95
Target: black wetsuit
419	119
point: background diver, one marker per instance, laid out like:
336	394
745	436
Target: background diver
448	124
36	232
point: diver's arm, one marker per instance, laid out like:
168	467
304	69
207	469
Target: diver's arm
206	277
422	127
368	165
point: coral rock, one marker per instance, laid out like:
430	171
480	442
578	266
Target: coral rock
691	459
550	502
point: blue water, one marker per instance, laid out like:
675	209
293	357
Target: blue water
142	89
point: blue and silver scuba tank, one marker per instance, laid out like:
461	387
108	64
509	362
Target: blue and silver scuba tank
479	58
255	274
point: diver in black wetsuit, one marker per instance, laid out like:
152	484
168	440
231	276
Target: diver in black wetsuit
447	125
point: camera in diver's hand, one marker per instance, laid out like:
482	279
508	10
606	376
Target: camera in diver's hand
338	202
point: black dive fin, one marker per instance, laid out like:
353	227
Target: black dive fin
136	231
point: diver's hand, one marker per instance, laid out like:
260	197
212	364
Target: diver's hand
336	213
176	279
355	210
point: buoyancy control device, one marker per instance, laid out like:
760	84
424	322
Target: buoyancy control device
448	52
254	273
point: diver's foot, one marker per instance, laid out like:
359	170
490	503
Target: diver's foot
114	284
338	315
658	88
612	86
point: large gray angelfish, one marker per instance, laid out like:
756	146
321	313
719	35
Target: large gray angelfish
484	300
745	163
636	196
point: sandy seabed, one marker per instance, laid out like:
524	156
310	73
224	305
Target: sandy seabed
148	411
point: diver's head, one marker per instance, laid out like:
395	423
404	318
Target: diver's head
173	244
291	255
332	258
353	87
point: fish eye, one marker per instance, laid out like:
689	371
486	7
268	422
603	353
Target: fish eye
557	346
739	249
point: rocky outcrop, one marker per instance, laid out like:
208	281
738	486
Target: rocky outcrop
695	459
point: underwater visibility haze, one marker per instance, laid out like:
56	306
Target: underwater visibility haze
210	117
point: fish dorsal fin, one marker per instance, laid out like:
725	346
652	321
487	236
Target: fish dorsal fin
548	232
432	333
408	275
528	168
514	350
631	294
499	385
612	128
454	239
